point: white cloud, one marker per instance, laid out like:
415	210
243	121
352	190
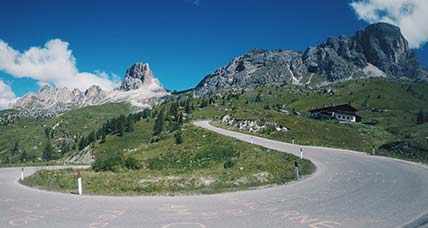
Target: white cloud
7	97
410	15
53	63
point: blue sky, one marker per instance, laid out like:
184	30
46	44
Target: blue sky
183	40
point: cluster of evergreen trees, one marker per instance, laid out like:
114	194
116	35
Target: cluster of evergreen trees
421	117
117	126
18	154
170	118
49	153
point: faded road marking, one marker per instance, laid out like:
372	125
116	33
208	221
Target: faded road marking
299	218
105	219
184	225
25	216
178	209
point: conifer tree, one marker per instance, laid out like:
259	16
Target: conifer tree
82	143
420	118
15	149
24	156
121	122
188	107
159	123
146	113
129	124
178	137
48	152
103	138
91	138
173	110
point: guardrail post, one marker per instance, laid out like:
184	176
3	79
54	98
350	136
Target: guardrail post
22	174
296	167
79	183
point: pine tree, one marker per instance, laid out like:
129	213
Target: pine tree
173	110
188	107
48	152
24	156
121	122
178	137
146	113
130	124
103	138
15	149
99	133
91	138
420	117
82	143
258	98
159	123
47	132
13	155
204	103
211	101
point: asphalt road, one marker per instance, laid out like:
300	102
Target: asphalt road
349	189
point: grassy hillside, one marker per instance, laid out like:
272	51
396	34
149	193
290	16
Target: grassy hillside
204	162
160	152
388	108
62	131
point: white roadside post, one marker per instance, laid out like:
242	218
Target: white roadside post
296	167
79	183
292	141
22	174
301	153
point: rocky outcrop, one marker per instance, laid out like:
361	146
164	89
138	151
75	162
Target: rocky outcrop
136	76
49	101
139	88
252	125
380	50
386	48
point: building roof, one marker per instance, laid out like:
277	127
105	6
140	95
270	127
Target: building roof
344	108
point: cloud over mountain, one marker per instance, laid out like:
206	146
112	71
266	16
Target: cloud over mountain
410	15
7	97
53	63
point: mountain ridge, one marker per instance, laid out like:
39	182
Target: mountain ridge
380	50
139	88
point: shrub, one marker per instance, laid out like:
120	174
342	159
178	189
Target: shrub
178	137
108	162
115	162
132	163
229	163
154	139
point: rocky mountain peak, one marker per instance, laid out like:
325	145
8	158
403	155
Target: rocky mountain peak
380	50
46	87
93	91
137	75
385	47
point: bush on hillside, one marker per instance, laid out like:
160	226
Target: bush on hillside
115	162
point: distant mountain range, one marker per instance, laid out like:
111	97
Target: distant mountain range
139	88
380	50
